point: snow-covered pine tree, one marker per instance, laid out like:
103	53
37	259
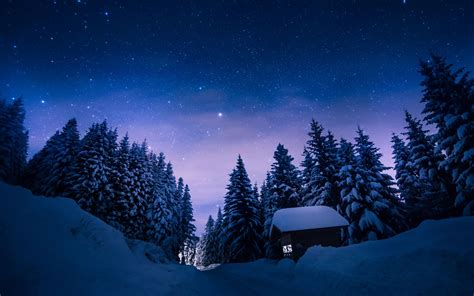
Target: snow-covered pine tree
199	253
403	174
281	190
307	164
190	252
268	207
13	141
40	166
188	239
141	189
208	255
261	209
345	153
163	214
285	185
242	224
122	208
158	211
62	159
179	195
367	198
217	233
173	203
428	198
322	187
346	175
89	178
46	173
449	105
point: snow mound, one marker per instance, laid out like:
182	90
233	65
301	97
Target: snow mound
303	218
49	246
437	258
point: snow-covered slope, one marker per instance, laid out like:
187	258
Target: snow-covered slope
51	247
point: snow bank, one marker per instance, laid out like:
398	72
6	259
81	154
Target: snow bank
51	247
304	218
437	258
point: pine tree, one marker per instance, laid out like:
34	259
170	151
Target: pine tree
159	213
449	99
403	173
242	224
307	164
141	189
123	208
173	203
92	168
188	239
62	160
271	249
285	185
208	255
322	187
179	197
428	197
39	168
367	197
13	141
217	235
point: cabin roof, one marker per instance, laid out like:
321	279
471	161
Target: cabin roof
304	218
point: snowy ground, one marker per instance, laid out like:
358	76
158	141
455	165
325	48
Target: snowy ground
51	247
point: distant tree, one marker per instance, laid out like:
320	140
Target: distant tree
207	241
217	237
242	225
449	99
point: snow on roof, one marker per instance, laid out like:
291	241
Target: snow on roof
303	218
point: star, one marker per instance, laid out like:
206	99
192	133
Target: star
219	114
43	101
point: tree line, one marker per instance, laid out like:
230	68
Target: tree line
122	183
434	177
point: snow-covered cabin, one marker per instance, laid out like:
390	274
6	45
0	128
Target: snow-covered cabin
297	229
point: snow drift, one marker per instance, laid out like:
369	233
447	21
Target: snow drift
51	247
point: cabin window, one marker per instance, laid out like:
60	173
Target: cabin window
287	250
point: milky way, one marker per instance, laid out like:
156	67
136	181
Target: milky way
204	81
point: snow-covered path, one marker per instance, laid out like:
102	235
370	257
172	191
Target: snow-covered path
52	247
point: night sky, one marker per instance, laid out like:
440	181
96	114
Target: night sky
203	81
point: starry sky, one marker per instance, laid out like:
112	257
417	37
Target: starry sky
205	80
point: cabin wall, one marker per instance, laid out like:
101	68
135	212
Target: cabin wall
301	240
324	237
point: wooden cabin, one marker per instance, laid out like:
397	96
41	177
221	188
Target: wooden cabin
297	229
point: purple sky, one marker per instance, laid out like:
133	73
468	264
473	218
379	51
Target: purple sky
203	146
